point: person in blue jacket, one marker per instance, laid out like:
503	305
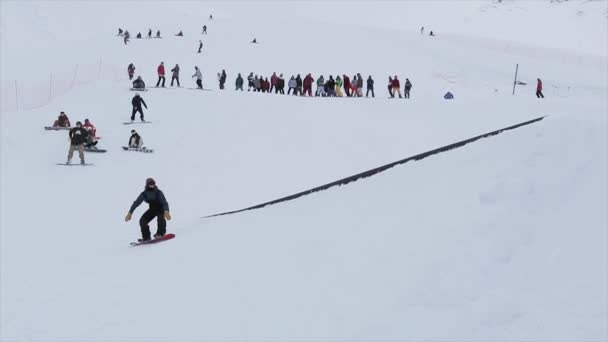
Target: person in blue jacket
159	209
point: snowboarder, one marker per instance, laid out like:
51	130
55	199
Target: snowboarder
158	34
62	121
78	136
161	74
159	209
539	88
239	82
137	101
119	32
200	46
179	34
422	30
131	70
222	78
204	29
175	75
126	39
135	141
139	83
199	77
298	85
91	140
149	34
254	41
390	86
408	87
138	35
210	16
370	86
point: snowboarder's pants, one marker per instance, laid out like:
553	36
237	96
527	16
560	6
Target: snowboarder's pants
174	78
539	94
290	89
199	83
406	93
141	113
396	90
159	78
147	217
368	90
80	149
307	90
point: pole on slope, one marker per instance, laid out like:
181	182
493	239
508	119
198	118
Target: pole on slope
515	80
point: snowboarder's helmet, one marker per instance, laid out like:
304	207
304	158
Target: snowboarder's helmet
78	123
150	182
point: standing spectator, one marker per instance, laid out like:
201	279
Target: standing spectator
281	85
78	136
200	46
137	101
396	86
149	33
408	87
307	83
353	86
346	85
161	74
199	77
539	88
292	85
338	86
390	87
250	83
320	86
298	85
370	86
175	75
273	81
239	82
222	78
359	85
131	70
257	83
266	85
331	86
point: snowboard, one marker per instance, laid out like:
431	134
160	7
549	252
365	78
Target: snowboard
136	122
139	89
49	128
95	150
157	240
75	164
199	89
143	149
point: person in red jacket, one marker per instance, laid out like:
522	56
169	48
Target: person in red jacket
346	84
307	84
161	74
396	87
266	85
539	88
274	79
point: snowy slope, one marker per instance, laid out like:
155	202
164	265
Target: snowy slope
503	239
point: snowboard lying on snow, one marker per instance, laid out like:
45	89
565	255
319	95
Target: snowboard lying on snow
157	240
49	128
135	149
136	122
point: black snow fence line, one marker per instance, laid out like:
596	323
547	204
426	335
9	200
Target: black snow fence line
379	169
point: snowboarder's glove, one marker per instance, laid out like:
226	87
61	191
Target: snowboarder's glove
128	217
167	215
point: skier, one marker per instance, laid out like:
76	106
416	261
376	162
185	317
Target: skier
370	86
222	78
180	34
135	141
158	208
149	33
62	120
539	88
199	77
131	70
78	137
137	101
204	29
175	75
250	83
200	46
390	87
408	87
161	74
239	82
139	83
396	86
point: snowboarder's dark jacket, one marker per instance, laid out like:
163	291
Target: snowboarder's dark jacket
139	84
154	197
135	139
137	102
370	83
78	135
239	81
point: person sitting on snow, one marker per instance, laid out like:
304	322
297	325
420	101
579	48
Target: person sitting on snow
62	121
135	141
139	83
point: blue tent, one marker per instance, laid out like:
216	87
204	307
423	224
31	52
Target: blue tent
448	96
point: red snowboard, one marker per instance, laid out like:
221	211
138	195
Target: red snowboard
157	240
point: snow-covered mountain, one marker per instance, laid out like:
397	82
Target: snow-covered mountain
501	239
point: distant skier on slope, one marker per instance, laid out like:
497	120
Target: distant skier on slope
158	208
137	101
539	89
